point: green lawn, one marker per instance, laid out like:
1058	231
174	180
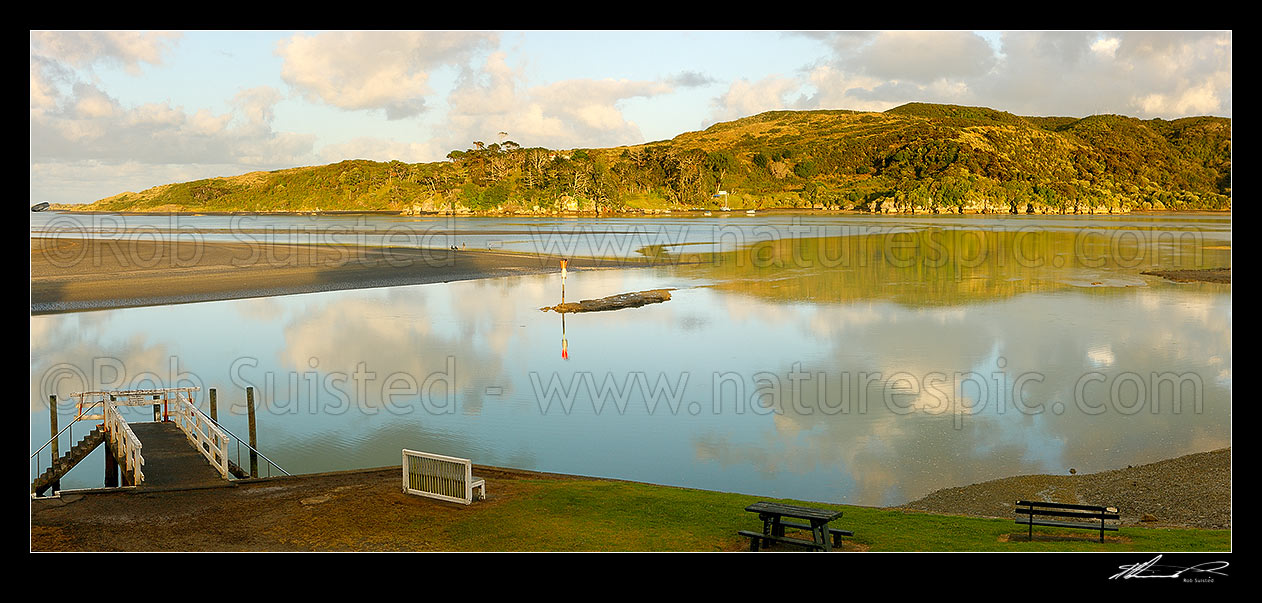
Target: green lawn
622	516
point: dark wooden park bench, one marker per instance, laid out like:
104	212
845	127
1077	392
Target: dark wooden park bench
1087	517
772	516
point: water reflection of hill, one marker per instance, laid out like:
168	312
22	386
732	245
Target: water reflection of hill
936	267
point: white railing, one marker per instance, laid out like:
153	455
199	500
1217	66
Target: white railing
443	477
203	433
124	443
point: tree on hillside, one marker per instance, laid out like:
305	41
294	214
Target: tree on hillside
718	163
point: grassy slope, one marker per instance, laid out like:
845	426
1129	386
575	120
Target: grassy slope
366	511
605	515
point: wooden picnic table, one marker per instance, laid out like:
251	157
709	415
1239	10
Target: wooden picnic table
773	517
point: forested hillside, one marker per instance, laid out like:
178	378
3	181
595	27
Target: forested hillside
916	157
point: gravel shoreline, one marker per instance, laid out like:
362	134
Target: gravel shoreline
1192	491
1206	275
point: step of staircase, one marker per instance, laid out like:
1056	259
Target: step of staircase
63	464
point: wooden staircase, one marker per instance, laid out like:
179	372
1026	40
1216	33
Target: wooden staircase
63	465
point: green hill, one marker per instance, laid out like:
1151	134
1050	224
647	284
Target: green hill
915	157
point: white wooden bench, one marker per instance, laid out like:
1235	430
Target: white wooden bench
443	477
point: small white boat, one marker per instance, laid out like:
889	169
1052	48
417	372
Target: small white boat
749	212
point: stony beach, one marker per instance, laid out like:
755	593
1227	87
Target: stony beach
1207	275
1191	491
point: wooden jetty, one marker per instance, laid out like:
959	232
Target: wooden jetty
180	448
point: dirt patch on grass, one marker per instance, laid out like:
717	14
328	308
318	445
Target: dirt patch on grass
347	511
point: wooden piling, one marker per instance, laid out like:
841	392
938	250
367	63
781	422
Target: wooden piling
127	478
52	421
214	410
254	457
111	464
111	468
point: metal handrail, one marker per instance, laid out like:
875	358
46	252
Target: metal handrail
63	429
241	442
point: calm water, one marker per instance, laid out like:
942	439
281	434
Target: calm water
866	360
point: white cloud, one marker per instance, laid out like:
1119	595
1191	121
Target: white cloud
872	71
1072	73
491	91
92	126
1201	99
591	104
84	49
843	42
55	55
205	123
744	98
45	75
255	107
88	134
924	57
1142	74
92	103
374	70
79	131
564	114
1105	46
835	89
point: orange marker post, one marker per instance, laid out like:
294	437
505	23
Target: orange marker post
564	265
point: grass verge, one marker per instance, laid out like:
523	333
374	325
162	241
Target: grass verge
621	516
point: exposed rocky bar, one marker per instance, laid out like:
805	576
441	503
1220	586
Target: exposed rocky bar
613	302
1206	275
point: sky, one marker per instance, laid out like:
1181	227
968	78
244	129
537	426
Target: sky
118	111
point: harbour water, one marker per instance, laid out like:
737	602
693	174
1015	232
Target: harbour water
856	359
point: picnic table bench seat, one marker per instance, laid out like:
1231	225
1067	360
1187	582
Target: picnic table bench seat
755	538
774	523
